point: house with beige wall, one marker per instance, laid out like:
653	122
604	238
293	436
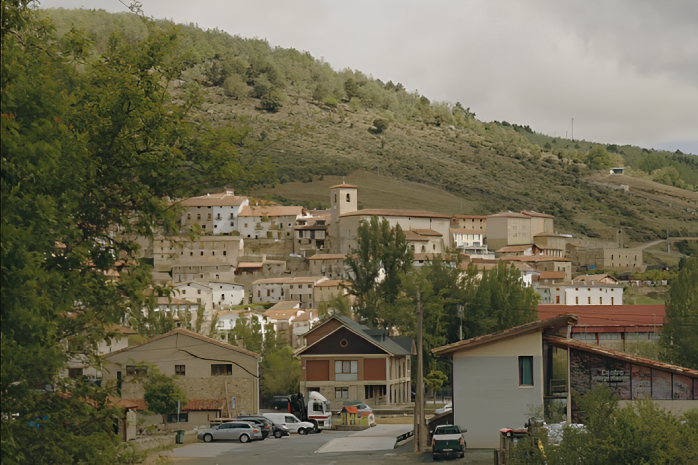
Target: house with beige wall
543	263
214	213
329	265
514	228
608	258
269	221
472	222
202	271
169	250
327	290
429	231
312	234
298	289
219	379
499	378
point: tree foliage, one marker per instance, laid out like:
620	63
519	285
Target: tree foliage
280	372
92	149
377	265
680	333
641	432
161	393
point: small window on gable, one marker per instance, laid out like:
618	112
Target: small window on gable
180	370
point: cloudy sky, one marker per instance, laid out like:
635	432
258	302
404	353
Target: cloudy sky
625	70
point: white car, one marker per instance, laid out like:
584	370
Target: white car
446	408
291	422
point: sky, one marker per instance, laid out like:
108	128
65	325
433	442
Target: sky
610	71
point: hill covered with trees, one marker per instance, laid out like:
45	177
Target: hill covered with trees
291	117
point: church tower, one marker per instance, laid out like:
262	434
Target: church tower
343	199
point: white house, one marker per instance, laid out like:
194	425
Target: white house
228	319
226	294
214	213
581	294
269	221
196	293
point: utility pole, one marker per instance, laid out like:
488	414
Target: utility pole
572	129
420	438
668	244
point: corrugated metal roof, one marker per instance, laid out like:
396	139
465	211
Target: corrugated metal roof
571	343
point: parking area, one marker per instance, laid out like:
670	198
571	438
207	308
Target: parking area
345	447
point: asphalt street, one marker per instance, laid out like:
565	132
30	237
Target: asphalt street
303	450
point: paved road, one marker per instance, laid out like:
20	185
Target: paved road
303	450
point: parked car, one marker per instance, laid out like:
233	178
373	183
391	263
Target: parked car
268	426
291	422
446	408
233	430
448	441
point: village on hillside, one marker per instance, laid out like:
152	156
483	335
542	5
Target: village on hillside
241	263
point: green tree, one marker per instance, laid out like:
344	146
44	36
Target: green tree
638	433
434	381
337	305
235	87
679	339
598	159
280	372
162	394
249	333
93	149
381	251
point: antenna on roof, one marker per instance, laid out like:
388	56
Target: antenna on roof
342	179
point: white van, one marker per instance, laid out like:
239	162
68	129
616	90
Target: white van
291	422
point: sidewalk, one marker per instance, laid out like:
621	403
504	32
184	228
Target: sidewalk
380	437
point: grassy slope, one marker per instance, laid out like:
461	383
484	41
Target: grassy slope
425	166
485	168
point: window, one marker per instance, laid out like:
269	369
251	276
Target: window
341	393
576	300
526	371
74	373
589	300
348	198
172	418
180	370
221	369
346	370
136	370
268	292
198	216
601	300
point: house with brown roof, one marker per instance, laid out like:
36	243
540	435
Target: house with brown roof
218	378
269	221
592	279
170	251
214	213
311	235
344	360
299	289
470	241
576	293
500	377
428	231
327	290
514	228
329	265
543	263
471	222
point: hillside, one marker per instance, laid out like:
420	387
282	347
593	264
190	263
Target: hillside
313	125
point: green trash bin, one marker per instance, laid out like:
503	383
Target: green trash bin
179	439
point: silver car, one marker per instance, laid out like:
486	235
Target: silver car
231	431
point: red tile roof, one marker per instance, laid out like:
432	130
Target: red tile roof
204	404
552	275
346	186
608	318
386	212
